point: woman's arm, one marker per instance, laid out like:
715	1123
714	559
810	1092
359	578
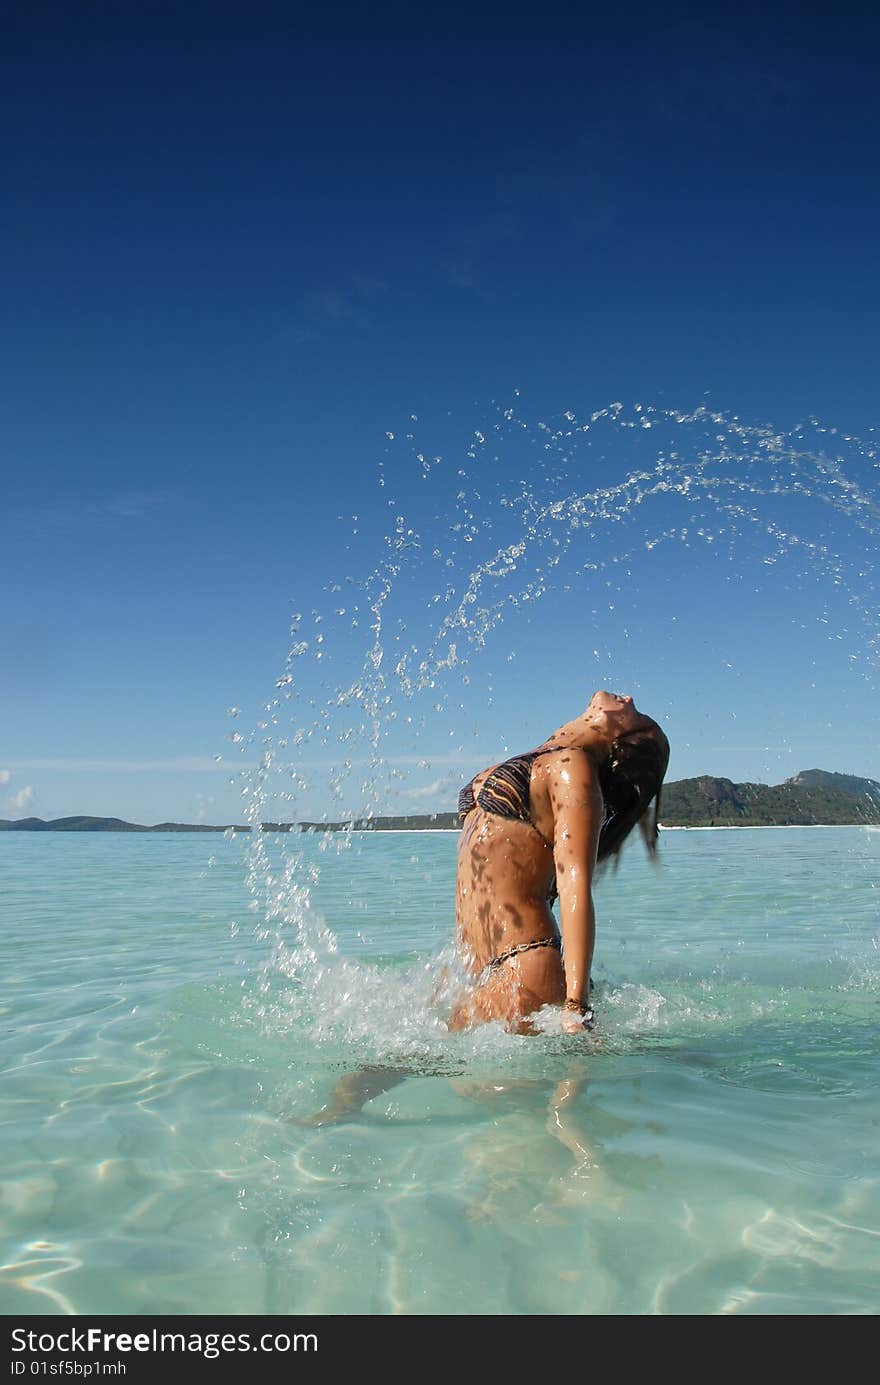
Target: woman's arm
577	805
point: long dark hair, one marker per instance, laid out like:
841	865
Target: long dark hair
631	779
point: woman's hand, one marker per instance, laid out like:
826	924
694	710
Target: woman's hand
572	1024
577	1017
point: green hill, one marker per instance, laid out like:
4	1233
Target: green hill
417	822
710	802
89	824
847	783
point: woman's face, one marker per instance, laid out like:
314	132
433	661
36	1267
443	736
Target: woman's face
615	713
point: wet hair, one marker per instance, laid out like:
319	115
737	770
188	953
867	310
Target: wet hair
631	779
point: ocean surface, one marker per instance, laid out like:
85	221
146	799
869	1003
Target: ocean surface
711	1148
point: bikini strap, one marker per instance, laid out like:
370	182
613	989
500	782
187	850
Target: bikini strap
523	947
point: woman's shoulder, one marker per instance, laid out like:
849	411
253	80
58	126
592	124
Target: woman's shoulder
569	762
567	781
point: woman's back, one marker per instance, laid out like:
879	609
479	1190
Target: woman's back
506	871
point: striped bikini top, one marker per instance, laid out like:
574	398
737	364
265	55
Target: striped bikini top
506	791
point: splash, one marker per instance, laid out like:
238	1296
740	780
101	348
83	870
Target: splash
518	565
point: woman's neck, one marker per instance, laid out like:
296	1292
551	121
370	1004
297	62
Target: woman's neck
580	735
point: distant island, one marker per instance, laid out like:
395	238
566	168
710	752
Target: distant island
813	798
87	824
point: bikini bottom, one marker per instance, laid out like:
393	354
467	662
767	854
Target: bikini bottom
554	942
523	947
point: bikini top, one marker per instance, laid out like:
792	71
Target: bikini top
506	791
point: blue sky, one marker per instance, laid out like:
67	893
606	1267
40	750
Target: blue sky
235	264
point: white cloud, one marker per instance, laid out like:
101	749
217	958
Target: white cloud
231	762
4	776
185	764
121	505
23	797
204	802
133	504
350	304
429	790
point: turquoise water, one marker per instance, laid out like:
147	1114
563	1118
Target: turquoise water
711	1149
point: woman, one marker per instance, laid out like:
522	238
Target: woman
535	828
